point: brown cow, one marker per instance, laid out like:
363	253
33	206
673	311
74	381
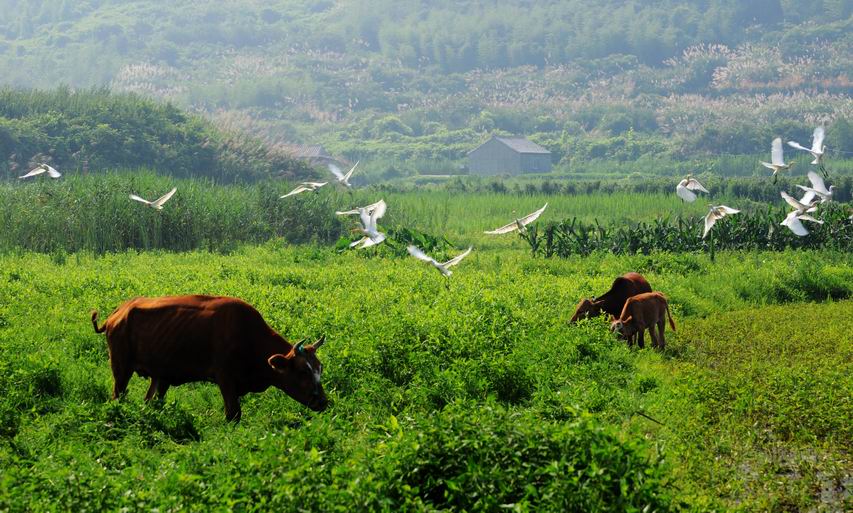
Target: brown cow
181	339
612	302
642	312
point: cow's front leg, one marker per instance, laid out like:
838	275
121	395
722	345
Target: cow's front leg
232	401
640	340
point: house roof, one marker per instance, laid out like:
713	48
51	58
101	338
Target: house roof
519	145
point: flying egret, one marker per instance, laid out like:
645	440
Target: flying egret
715	214
792	221
799	207
158	203
305	186
818	188
342	178
685	189
372	235
369	208
777	162
42	168
518	224
817	148
441	266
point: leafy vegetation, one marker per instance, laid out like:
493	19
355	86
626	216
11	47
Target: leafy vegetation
755	230
96	130
470	395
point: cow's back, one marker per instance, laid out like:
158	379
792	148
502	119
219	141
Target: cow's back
184	338
624	287
645	308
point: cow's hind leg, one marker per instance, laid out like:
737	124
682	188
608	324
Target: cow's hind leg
640	340
121	376
158	385
661	328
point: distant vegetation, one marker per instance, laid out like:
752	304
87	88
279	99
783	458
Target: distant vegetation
409	86
90	131
94	213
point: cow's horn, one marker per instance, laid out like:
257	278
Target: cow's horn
300	345
320	341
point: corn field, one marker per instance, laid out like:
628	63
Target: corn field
756	230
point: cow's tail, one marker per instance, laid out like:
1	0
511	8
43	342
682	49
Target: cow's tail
104	327
669	316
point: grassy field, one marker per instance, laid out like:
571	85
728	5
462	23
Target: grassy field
94	212
470	394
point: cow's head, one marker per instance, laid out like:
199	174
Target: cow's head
587	308
624	328
299	374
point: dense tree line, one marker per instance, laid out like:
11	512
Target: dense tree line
94	130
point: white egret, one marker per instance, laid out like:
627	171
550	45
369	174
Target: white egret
369	208
818	188
817	150
305	186
518	224
158	203
715	214
42	168
685	189
342	178
372	235
777	162
441	266
799	206
792	221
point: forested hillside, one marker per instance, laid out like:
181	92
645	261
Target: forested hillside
410	86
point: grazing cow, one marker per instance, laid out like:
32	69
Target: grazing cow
642	312
181	339
612	302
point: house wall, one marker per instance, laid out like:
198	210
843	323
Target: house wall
494	158
535	163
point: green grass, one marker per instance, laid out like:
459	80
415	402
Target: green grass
471	394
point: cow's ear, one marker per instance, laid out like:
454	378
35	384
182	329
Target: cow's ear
279	362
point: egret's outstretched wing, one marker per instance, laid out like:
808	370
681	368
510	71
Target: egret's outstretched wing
684	193
710	219
808	197
420	255
295	191
529	218
336	170
793	202
164	198
817	139
141	200
503	229
349	173
53	173
379	209
806	217
374	240
818	183
34	172
769	166
794	144
694	185
794	224
776	156
728	210
458	258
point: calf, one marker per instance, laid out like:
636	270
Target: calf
642	312
181	339
612	301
